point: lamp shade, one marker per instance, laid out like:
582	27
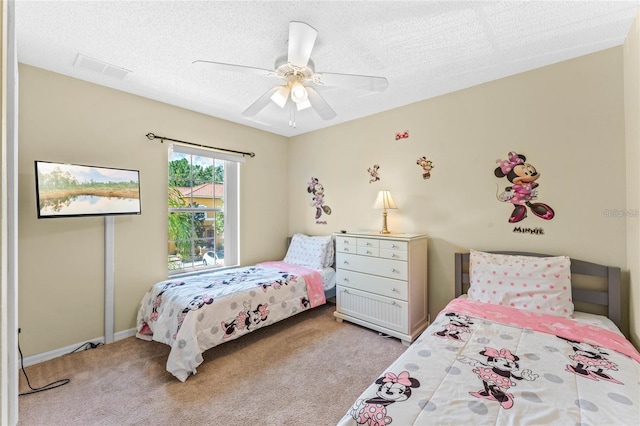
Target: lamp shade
280	96
298	93
384	201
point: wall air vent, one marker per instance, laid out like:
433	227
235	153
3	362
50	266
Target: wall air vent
100	67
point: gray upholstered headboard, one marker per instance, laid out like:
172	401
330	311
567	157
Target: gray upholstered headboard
611	297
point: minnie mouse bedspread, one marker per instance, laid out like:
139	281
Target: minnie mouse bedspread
484	364
199	312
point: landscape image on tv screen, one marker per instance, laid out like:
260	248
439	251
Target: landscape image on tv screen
77	190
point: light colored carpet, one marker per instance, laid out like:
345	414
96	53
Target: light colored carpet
307	369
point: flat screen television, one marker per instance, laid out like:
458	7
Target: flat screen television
68	190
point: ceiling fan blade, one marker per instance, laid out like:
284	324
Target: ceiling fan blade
302	37
262	102
320	105
353	81
220	66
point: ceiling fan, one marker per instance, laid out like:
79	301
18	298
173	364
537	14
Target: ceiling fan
299	78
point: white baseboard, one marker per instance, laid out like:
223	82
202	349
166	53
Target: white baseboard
46	356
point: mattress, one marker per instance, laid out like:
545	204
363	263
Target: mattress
328	276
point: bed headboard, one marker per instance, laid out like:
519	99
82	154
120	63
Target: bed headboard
611	298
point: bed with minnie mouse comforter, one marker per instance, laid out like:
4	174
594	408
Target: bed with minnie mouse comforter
199	312
481	364
514	351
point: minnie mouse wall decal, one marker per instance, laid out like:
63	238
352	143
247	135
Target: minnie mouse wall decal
523	176
373	173
426	165
315	188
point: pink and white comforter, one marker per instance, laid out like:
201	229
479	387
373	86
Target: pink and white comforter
196	313
481	364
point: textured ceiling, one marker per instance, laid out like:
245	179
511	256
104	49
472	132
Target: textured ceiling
423	48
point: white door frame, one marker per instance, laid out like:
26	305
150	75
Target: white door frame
9	363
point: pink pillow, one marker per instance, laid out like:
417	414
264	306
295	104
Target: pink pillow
536	284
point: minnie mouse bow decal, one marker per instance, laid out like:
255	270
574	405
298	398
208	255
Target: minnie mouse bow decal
523	190
402	135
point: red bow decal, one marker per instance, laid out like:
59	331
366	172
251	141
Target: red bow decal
402	135
504	353
402	378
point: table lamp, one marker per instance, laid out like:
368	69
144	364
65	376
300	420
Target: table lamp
384	202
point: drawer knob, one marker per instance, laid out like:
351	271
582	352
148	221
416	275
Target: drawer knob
393	303
345	291
368	244
346	280
393	246
345	262
346	249
393	270
394	255
394	289
368	251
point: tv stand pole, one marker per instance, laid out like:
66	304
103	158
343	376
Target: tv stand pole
109	269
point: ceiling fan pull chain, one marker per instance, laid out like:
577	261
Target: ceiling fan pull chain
292	117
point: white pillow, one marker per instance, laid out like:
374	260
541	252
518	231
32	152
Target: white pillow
310	252
331	252
536	284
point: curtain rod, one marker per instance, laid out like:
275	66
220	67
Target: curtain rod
151	136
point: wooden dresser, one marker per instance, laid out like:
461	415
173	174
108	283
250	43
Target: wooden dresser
381	282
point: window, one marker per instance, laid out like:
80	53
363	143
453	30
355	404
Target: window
203	209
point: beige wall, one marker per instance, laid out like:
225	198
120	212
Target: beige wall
61	288
632	135
568	120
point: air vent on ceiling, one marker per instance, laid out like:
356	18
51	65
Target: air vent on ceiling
100	67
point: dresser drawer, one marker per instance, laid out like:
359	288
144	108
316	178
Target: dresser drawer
393	245
389	268
368	242
393	254
372	283
346	241
345	248
373	308
368	251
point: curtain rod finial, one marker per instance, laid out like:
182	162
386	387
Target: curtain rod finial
151	136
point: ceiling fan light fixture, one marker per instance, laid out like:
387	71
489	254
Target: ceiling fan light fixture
299	93
303	105
297	75
280	96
